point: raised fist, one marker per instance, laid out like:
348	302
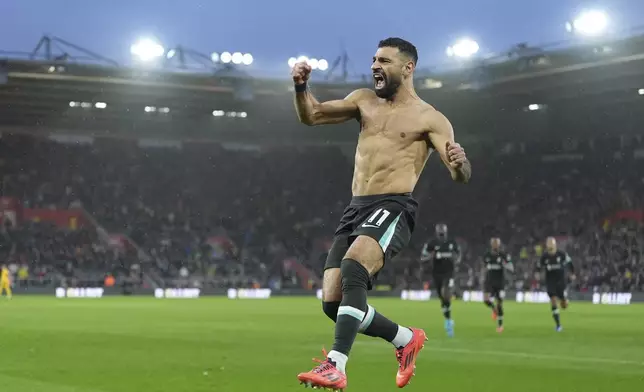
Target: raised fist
301	72
455	154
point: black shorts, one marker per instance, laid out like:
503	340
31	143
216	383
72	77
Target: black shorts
556	289
388	219
495	288
441	281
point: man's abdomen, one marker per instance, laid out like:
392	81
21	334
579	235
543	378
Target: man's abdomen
384	182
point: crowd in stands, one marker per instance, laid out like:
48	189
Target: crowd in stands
42	254
215	215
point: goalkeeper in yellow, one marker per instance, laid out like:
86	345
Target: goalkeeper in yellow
5	283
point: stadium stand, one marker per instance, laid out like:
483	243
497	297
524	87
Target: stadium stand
202	214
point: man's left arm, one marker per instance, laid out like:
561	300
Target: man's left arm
568	264
459	255
426	254
441	134
508	263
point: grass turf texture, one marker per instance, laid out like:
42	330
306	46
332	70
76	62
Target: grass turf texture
215	344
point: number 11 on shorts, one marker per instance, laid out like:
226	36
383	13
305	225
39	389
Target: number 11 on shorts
383	216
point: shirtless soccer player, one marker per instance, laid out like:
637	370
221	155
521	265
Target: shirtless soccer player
398	133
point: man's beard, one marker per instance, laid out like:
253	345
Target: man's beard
390	89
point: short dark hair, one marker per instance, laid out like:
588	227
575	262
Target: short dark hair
402	45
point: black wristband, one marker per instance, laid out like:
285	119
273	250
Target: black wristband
300	88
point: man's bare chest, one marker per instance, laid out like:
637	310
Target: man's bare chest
392	123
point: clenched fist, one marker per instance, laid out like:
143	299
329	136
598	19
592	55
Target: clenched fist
455	155
301	72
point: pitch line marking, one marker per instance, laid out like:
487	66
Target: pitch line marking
527	355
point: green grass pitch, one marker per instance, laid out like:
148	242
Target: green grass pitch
219	345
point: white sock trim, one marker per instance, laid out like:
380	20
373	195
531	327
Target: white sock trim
366	322
403	337
351	311
339	359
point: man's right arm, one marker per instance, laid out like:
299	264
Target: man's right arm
311	112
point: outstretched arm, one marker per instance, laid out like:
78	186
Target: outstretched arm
311	112
441	134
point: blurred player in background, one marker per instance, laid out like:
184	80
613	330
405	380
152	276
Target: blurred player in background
555	262
444	254
496	262
5	282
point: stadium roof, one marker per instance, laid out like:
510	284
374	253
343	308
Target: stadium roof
564	88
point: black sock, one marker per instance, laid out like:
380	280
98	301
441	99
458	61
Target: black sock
489	304
499	314
378	326
353	307
373	324
447	308
555	315
331	309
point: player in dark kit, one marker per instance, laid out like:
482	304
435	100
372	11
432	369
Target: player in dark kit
398	132
496	262
444	254
555	262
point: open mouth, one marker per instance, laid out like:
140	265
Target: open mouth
379	80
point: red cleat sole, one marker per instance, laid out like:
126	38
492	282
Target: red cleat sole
311	381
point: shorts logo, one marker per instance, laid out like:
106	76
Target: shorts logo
380	214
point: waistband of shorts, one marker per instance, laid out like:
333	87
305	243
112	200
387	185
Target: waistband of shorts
366	199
